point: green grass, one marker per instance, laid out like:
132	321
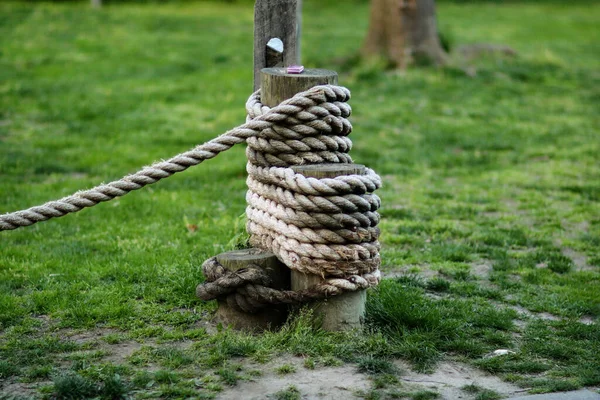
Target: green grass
285	369
289	393
481	393
491	197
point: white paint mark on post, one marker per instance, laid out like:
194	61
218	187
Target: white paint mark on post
276	44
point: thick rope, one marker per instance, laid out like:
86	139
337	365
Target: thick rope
319	109
247	289
325	227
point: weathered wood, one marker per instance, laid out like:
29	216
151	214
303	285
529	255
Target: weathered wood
298	34
346	311
96	3
277	85
271	317
275	19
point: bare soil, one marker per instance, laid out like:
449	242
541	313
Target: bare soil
345	382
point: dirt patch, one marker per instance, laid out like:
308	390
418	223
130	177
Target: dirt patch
586	320
20	390
482	269
450	376
92	335
525	316
345	382
115	352
118	353
543	315
206	322
579	259
424	272
332	383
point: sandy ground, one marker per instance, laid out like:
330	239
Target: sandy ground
345	382
449	377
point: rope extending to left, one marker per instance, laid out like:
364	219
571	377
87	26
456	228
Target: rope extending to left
309	111
325	227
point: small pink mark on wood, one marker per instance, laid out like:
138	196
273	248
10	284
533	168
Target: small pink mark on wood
295	69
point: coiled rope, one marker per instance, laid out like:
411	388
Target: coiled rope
325	226
248	289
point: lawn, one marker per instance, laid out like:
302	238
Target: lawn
491	198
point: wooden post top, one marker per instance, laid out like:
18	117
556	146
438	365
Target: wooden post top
238	259
277	85
308	73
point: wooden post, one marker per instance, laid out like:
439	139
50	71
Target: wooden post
275	19
277	85
298	34
96	3
346	311
268	318
281	19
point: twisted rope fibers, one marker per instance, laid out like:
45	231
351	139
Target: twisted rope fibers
325	226
308	112
248	289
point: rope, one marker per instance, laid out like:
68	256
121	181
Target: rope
316	110
247	289
285	209
325	227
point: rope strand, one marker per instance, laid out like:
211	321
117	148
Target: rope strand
305	112
325	227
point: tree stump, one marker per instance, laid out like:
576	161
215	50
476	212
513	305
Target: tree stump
346	311
404	32
265	319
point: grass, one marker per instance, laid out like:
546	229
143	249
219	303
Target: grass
491	197
375	365
290	393
481	393
285	369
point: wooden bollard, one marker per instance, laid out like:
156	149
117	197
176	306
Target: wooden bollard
346	311
267	318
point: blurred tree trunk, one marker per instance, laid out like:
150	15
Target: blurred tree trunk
97	3
404	32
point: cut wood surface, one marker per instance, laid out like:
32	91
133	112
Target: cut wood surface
277	85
